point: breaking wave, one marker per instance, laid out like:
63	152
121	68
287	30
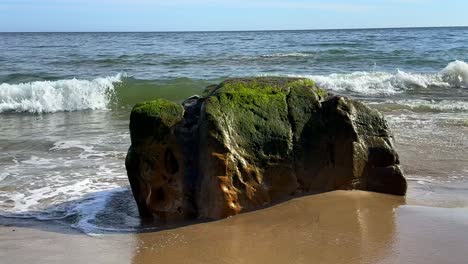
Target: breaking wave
98	94
102	93
421	105
455	75
54	96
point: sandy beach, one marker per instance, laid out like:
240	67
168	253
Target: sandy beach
336	227
65	103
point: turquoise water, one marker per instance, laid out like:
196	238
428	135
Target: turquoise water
65	100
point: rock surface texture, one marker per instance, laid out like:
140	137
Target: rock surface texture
252	142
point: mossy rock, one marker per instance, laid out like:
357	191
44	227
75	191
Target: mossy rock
257	111
249	142
154	119
253	113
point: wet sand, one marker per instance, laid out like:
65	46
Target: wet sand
337	227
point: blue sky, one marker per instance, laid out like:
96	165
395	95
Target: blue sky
189	15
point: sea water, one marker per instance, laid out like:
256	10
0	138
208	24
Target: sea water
65	100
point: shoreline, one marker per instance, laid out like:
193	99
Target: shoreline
64	190
335	227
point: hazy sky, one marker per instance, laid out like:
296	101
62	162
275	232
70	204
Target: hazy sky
188	15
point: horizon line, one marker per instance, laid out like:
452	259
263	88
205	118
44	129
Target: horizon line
241	30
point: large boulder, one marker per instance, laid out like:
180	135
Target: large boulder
251	142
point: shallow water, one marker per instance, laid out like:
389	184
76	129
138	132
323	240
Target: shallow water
65	100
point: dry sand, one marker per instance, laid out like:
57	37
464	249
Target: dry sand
337	227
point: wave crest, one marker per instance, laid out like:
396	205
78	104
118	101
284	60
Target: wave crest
454	75
101	93
421	105
55	96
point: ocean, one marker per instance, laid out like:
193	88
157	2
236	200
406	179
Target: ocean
65	100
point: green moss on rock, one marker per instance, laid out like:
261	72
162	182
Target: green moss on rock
309	85
154	119
253	113
302	83
263	113
252	141
168	112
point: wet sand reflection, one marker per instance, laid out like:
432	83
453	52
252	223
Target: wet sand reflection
337	227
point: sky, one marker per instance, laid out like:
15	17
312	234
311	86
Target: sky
220	15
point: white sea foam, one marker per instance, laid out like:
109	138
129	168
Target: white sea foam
88	210
286	55
69	144
87	151
30	199
378	83
69	184
360	82
98	203
387	83
427	105
84	200
55	96
456	73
